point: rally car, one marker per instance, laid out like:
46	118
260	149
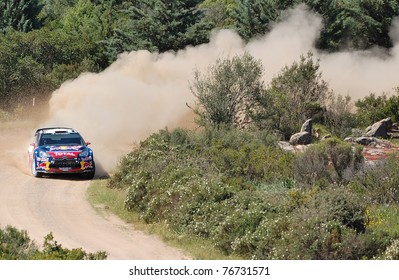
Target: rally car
60	150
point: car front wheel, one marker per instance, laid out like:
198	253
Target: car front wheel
34	172
90	175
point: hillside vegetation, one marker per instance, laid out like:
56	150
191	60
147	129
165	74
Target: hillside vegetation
250	199
46	42
16	245
227	181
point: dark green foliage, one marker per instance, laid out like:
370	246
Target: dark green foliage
355	24
342	206
253	17
159	25
235	189
219	12
19	15
347	24
52	250
329	224
169	25
53	10
16	245
29	63
374	108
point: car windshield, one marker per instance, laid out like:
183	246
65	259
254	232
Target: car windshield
72	139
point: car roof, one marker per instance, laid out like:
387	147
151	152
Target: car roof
55	130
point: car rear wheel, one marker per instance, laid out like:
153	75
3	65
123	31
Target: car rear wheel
34	172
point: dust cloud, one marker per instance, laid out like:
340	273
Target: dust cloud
143	92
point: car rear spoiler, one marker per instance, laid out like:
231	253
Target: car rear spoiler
57	127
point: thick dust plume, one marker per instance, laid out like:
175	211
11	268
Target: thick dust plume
143	92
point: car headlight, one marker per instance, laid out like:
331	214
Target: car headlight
84	153
43	154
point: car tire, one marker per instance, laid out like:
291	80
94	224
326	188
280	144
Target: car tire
34	172
90	175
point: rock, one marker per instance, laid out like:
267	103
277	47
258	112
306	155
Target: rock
365	141
369	141
379	129
286	146
307	126
301	138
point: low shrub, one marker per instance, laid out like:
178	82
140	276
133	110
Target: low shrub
380	181
16	245
251	199
392	251
343	206
331	160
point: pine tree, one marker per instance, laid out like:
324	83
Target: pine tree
160	25
20	15
254	16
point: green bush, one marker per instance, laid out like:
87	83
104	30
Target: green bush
311	167
237	190
343	206
245	211
52	250
331	160
16	245
373	108
380	181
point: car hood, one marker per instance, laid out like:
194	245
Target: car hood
63	151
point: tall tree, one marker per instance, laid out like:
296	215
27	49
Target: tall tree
219	12
18	75
226	93
20	15
355	24
160	25
253	17
54	10
296	94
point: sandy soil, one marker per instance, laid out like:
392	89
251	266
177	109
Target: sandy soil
58	205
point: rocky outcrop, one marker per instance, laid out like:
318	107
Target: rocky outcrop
305	136
287	147
369	141
307	126
379	129
301	138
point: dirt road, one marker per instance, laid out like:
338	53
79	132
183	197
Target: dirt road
44	205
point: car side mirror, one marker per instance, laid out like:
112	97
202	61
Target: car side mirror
88	143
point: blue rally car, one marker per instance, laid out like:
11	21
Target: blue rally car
60	150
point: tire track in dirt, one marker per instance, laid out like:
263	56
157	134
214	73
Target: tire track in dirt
59	205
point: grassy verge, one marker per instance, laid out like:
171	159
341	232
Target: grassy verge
101	197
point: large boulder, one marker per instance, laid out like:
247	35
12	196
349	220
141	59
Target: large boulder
379	129
301	138
307	126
